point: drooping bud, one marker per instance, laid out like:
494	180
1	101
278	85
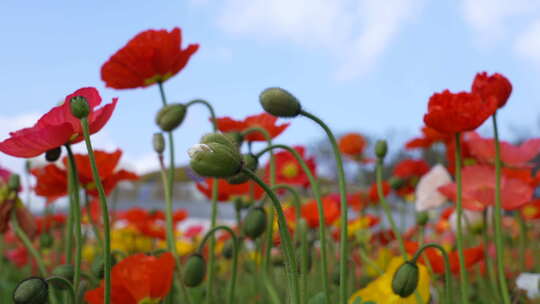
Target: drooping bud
14	182
228	249
215	160
220	139
250	162
79	107
171	116
405	279
280	103
236	137
53	154
194	271
422	218
66	271
32	290
381	148
158	142
255	223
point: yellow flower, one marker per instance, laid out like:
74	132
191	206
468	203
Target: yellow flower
88	253
184	247
380	290
384	256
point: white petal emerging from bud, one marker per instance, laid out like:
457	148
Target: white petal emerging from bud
427	195
198	148
529	282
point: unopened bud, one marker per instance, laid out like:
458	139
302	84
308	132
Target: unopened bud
255	223
236	137
228	249
405	279
280	103
158	142
219	138
171	116
381	148
32	290
250	162
215	160
53	154
79	107
66	272
46	240
422	218
194	271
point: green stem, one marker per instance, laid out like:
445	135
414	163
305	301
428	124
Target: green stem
296	203
522	241
74	181
104	213
447	271
210	109
92	222
343	259
70	289
492	277
210	233
497	214
369	261
463	283
302	227
286	242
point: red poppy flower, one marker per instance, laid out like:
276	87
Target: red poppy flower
512	155
137	279
384	237
429	137
226	191
263	120
479	189
495	86
149	57
18	256
531	210
352	144
411	168
51	182
373	194
288	169
58	127
331	211
472	255
180	215
458	112
47	222
106	163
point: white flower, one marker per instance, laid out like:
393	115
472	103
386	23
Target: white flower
529	282
469	219
198	148
427	195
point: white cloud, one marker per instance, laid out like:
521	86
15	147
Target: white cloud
355	32
528	43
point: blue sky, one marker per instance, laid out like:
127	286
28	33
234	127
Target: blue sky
366	65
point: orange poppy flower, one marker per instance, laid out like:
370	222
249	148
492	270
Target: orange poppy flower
429	137
263	120
406	175
151	56
331	211
226	191
51	182
495	86
288	169
458	112
137	279
472	255
373	194
352	144
511	155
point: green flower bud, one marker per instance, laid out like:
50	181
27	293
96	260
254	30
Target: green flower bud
66	271
396	182
32	290
228	249
236	137
79	107
46	240
194	270
251	162
381	148
255	223
422	218
220	139
14	182
405	279
318	298
171	116
215	160
53	154
158	142
280	103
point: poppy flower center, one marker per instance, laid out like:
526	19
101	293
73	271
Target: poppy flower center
157	78
290	169
149	301
529	211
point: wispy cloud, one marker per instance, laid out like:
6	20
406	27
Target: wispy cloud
528	43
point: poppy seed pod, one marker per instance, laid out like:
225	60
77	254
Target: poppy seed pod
171	116
53	154
405	279
79	107
65	271
250	162
236	137
255	223
158	143
280	103
14	182
381	148
194	271
31	290
215	160
422	218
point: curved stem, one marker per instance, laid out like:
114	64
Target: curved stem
286	242
296	202
74	181
459	210
104	213
497	216
235	257
66	282
210	109
92	222
447	271
343	256
320	209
